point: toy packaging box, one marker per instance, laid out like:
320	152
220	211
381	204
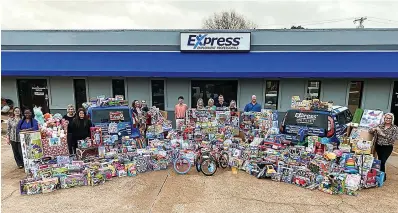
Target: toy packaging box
49	185
371	118
32	148
30	186
96	136
362	146
55	146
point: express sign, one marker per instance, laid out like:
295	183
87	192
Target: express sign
229	42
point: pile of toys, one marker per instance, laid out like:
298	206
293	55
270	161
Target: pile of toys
257	149
261	125
117	160
102	101
314	104
331	171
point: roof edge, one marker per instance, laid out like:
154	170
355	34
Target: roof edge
201	30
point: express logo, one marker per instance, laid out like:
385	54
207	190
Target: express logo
203	41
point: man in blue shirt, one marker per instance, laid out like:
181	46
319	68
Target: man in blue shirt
253	106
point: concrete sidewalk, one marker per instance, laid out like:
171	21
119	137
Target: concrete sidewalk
393	161
165	191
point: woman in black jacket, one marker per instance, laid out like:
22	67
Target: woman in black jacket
80	129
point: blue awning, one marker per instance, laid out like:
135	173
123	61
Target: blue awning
203	65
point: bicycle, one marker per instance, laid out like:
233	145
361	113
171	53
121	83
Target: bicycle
205	162
221	157
181	163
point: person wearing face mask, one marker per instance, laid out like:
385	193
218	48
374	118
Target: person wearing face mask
13	137
385	136
80	129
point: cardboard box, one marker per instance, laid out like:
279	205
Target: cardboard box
360	133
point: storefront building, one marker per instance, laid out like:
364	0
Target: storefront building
356	68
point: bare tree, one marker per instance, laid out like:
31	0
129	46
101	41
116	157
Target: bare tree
297	27
228	21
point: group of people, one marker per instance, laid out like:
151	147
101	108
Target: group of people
78	129
79	125
181	108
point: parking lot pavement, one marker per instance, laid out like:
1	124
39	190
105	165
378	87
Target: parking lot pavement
164	191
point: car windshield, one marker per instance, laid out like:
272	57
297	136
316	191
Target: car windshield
308	119
103	115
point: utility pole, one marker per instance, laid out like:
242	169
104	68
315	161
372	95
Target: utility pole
360	21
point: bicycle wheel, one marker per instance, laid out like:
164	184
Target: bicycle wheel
208	166
197	162
182	165
223	161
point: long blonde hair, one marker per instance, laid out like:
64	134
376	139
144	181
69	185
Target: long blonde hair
200	101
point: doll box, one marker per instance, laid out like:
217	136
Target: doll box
30	186
49	185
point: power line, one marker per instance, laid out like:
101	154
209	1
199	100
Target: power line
383	19
381	22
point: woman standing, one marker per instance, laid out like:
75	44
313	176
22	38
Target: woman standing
385	135
200	104
232	108
80	129
13	137
70	113
210	104
27	123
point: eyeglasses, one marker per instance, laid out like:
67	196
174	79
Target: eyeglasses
388	118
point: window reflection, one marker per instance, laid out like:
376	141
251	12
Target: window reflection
158	94
355	95
118	87
271	94
313	90
80	92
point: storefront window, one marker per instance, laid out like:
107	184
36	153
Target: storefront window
118	87
158	93
355	95
80	92
271	94
212	89
314	90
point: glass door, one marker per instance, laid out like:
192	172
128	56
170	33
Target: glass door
33	92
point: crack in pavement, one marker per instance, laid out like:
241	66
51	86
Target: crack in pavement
8	196
160	190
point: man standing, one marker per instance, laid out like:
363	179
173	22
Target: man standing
253	106
180	112
221	102
180	109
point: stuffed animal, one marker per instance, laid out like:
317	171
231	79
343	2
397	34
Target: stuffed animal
47	116
39	115
57	117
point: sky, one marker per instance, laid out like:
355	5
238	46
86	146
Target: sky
189	14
